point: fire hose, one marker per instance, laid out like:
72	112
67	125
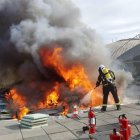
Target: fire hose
133	123
137	137
20	129
136	127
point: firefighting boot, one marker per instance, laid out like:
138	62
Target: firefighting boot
103	108
118	107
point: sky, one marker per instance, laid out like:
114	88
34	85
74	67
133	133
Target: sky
112	19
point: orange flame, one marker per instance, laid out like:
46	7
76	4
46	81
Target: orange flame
18	102
22	112
65	109
52	97
75	75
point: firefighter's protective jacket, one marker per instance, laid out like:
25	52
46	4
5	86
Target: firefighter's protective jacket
104	77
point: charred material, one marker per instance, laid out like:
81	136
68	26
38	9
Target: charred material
6	90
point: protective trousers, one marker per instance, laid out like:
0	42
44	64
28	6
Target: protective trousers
113	90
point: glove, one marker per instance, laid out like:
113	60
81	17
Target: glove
97	84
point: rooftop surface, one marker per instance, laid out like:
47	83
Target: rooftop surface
120	47
63	128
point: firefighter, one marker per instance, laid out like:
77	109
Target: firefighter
107	78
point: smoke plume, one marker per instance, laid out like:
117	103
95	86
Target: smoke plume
28	25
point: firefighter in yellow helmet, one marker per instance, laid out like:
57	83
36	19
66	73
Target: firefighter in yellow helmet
107	78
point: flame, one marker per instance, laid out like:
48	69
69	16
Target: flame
65	109
75	75
18	102
82	107
52	97
22	112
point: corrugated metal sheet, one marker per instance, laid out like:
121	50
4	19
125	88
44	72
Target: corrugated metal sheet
120	47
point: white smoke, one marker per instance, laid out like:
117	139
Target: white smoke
132	94
87	98
123	79
128	89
